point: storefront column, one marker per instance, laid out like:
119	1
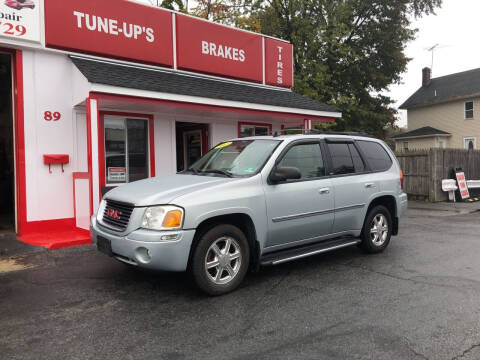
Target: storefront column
92	143
307	124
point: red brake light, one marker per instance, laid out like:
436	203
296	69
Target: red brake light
401	179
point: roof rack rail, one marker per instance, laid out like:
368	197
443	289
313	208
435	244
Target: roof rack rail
348	133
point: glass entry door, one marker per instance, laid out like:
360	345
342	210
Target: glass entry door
126	150
192	146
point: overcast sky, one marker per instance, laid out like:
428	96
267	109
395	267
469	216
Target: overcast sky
454	28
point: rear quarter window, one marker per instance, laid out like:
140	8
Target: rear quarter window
376	155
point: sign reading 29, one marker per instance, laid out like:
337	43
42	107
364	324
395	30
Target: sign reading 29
10	29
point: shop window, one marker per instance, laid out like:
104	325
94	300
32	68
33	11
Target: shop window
469	110
251	129
126	150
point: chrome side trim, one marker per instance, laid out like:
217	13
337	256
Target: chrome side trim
315	213
281	261
309	240
303	215
351	207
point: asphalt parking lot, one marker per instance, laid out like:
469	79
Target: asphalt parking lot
420	299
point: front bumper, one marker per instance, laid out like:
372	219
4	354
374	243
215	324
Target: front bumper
145	248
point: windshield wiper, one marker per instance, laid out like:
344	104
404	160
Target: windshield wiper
192	169
218	171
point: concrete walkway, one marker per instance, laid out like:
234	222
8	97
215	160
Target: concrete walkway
10	246
459	207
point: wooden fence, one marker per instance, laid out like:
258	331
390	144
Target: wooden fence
424	170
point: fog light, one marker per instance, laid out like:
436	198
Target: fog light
169	237
143	255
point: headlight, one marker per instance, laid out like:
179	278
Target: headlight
163	218
101	209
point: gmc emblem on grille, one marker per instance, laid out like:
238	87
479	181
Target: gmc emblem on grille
114	214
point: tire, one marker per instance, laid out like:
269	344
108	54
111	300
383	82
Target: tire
220	260
375	240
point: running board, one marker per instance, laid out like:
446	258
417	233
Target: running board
283	256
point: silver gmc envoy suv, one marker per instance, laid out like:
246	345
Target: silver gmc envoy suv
256	201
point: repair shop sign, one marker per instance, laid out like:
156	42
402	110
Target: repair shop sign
462	185
114	28
278	63
210	48
116	174
20	20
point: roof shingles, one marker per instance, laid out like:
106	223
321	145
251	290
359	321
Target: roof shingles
421	132
115	74
446	88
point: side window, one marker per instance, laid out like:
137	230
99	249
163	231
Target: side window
307	158
357	159
342	161
376	155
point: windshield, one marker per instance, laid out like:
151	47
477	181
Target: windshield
235	158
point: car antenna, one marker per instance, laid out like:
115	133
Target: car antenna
275	134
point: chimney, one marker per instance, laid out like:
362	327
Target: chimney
426	76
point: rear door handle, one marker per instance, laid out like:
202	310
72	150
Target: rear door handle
370	185
324	191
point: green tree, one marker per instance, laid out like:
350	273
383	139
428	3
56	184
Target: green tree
346	52
238	13
172	5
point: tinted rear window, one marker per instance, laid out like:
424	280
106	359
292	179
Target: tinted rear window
341	158
357	160
376	155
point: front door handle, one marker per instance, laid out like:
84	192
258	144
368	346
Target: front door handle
324	191
370	185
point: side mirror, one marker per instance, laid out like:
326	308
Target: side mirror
284	173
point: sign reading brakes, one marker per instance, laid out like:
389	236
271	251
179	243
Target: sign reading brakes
226	52
210	48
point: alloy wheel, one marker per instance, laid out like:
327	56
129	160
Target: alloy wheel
223	260
379	230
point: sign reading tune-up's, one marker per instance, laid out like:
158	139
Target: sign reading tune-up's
116	28
131	31
20	19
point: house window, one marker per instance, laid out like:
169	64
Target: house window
469	110
405	146
254	129
441	143
470	143
126	150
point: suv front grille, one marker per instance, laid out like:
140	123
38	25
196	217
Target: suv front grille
117	214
